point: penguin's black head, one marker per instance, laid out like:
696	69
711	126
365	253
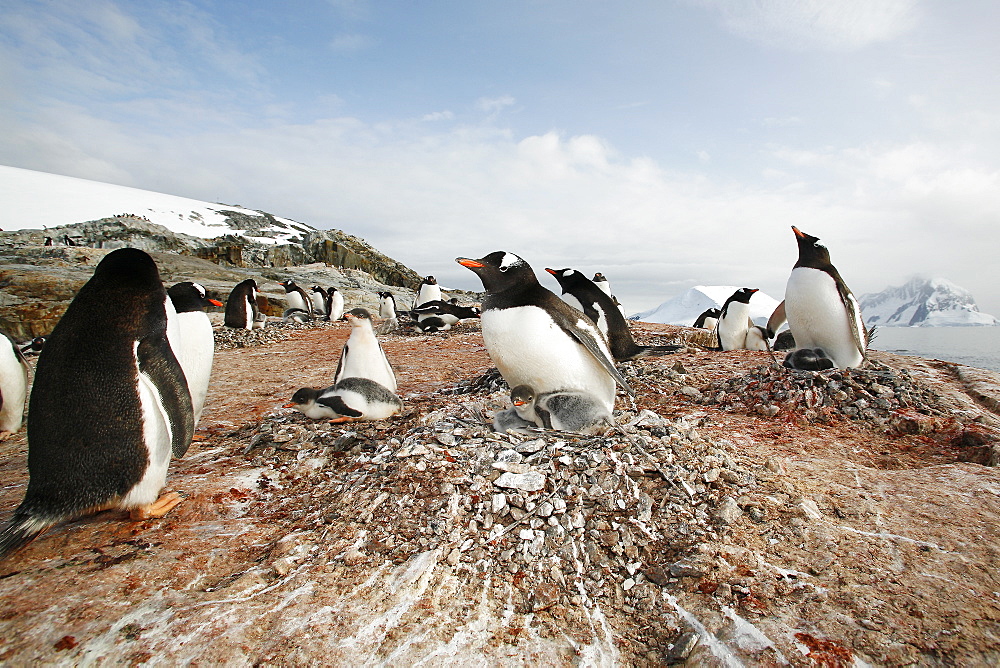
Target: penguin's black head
599	277
499	270
743	295
522	395
430	280
188	296
357	314
303	396
811	252
569	278
318	289
288	285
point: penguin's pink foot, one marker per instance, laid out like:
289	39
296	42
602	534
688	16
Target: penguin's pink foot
158	508
342	419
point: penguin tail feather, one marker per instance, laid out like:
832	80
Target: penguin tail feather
19	531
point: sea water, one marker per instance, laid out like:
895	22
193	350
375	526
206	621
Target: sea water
974	346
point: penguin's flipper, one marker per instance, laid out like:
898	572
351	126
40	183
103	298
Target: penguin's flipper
340	365
336	402
587	340
19	531
776	320
854	319
157	361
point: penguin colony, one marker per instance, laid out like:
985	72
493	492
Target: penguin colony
118	392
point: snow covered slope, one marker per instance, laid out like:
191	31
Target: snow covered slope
922	302
34	200
685	308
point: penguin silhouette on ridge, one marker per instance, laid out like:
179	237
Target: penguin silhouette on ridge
109	405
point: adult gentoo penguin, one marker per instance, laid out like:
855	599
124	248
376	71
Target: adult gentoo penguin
734	320
362	356
427	291
13	386
352	398
319	299
537	339
387	311
565	410
296	297
582	294
821	310
241	306
109	404
441	315
601	281
197	342
335	309
708	319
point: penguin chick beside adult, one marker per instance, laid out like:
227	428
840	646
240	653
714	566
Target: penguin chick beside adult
13	386
241	305
109	405
820	308
808	359
296	297
362	356
536	339
734	320
197	342
564	410
708	319
350	399
582	294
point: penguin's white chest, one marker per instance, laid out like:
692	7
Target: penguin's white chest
13	387
529	348
336	306
156	436
295	300
733	327
364	358
428	293
819	319
195	354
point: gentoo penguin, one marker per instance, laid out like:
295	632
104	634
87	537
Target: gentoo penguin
509	419
296	297
601	281
756	339
241	306
821	310
197	344
109	404
808	359
734	320
296	315
565	410
427	291
387	312
708	319
537	339
13	386
362	356
350	399
430	324
584	295
447	312
336	307
319	299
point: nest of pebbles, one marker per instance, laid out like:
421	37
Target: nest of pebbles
230	337
873	394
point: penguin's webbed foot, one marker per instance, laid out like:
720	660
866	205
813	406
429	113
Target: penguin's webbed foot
342	419
158	508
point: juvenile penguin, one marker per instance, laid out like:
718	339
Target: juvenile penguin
808	359
584	295
109	405
352	398
821	310
734	320
296	315
708	319
756	339
241	306
362	356
296	297
319	299
537	339
565	410
336	307
428	291
13	386
197	341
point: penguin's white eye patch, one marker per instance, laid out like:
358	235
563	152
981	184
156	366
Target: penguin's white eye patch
509	260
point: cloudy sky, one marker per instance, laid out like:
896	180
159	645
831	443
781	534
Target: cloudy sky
667	143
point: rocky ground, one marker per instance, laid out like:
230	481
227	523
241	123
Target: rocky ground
738	514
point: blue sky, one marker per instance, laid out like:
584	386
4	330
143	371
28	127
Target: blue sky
667	143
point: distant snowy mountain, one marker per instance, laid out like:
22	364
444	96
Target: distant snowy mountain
685	308
923	302
35	200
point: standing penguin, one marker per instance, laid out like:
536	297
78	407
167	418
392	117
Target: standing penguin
241	306
537	339
362	356
109	404
387	312
197	342
296	297
13	386
601	281
734	320
584	295
428	291
820	308
565	410
336	303
319	298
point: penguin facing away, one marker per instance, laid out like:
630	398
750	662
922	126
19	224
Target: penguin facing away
427	291
296	297
734	320
583	295
564	410
197	342
318	297
109	405
13	386
537	339
336	308
241	305
820	308
352	398
362	355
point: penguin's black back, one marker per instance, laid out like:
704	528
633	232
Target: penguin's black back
85	430
235	311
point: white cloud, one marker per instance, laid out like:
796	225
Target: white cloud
493	105
438	116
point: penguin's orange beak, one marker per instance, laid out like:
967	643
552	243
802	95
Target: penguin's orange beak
471	264
290	404
215	302
551	271
520	403
799	233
